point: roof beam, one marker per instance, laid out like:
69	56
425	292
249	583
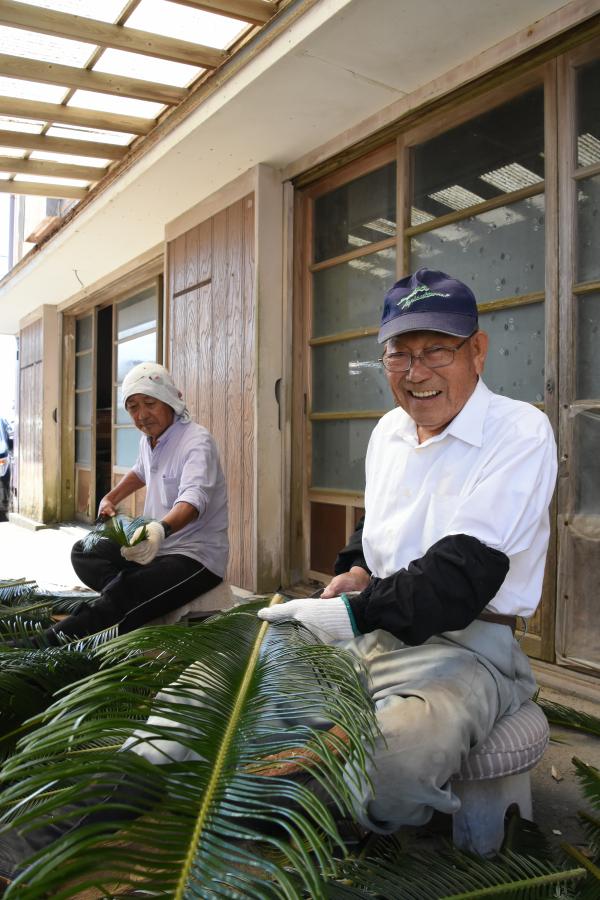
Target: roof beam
103	34
49	169
255	11
71	76
74	115
40	189
25	141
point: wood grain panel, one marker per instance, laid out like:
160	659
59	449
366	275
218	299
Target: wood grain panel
232	328
212	347
248	436
204	357
219	303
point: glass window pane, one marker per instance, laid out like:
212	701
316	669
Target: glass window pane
588	357
83	446
588	114
351	294
338	453
588	229
347	377
587	461
137	314
83	371
83	408
83	334
515	360
130	353
499	253
122	416
128	442
358	213
495	153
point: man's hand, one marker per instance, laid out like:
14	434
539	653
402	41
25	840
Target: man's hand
330	617
106	509
356	579
144	552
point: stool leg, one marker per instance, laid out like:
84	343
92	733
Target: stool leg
478	826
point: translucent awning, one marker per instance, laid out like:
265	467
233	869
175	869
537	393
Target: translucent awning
82	82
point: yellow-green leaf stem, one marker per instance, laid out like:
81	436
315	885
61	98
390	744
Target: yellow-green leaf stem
228	736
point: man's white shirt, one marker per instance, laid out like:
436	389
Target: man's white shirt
490	474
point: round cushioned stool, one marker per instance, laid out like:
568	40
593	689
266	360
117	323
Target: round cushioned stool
495	776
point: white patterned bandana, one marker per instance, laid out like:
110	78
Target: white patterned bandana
153	380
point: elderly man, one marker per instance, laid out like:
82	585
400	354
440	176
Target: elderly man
458	484
185	552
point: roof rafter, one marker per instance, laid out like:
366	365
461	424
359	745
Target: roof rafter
41	189
74	115
103	34
71	76
255	11
25	141
50	169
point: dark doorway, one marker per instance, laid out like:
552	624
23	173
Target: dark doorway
104	369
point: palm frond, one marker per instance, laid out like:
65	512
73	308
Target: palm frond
119	529
450	875
557	714
233	717
591	828
28	681
589	778
11	589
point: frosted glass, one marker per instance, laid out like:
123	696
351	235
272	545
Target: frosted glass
588	114
358	213
83	371
499	151
499	253
130	353
83	334
351	294
83	446
137	314
122	417
83	408
127	445
515	360
588	229
338	453
347	377
588	346
586	467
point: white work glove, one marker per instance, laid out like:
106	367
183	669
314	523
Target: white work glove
144	552
330	617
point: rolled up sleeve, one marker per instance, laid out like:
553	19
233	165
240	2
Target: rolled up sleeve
200	475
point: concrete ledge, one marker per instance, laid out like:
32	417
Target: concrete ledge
24	522
567	682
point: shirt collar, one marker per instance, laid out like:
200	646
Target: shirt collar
467	426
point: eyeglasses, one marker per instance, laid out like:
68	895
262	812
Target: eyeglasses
432	357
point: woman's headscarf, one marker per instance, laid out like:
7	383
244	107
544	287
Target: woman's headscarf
153	380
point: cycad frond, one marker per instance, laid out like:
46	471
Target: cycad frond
217	726
28	681
589	778
119	529
450	875
11	589
557	714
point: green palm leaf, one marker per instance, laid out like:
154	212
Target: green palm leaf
11	589
450	875
226	795
557	714
119	529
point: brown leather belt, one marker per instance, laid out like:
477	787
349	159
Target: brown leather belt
499	619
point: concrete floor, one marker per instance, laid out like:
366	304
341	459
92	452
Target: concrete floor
45	556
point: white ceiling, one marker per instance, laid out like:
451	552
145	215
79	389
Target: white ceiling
339	63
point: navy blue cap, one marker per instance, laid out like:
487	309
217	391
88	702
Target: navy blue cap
428	301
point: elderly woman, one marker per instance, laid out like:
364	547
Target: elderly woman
185	553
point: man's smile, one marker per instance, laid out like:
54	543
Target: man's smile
423	395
